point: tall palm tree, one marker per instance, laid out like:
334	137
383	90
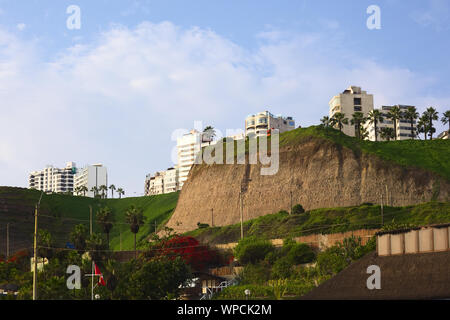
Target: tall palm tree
94	189
112	188
78	236
387	133
432	114
76	190
374	117
326	121
104	190
84	189
135	218
357	120
446	119
422	125
121	192
105	219
209	132
339	119
395	115
411	114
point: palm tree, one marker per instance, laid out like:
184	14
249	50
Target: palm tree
395	115
422	126
339	119
112	188
76	190
387	133
326	121
446	119
432	114
84	189
105	219
78	236
94	189
121	192
209	133
135	218
374	117
104	190
411	114
357	120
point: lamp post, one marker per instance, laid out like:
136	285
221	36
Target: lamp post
36	208
247	293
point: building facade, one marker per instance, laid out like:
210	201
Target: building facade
443	135
259	124
53	179
351	100
162	182
188	147
91	176
403	125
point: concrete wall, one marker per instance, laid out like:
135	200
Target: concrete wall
426	239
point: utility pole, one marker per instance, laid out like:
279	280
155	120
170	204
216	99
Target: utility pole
35	247
290	210
382	213
92	260
155	227
242	215
387	195
7	240
212	217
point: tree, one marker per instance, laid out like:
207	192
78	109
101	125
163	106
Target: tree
209	133
326	121
411	114
387	133
105	219
357	121
446	119
297	209
104	190
83	189
121	192
112	188
78	237
135	218
45	243
96	246
374	117
395	115
431	115
422	126
94	189
252	250
339	119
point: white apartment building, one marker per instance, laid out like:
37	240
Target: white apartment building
403	125
259	124
352	100
162	182
189	146
91	176
53	179
443	135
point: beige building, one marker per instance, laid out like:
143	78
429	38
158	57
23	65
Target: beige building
53	179
162	182
443	135
403	125
258	124
352	100
91	176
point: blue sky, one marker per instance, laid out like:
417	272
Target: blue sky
116	90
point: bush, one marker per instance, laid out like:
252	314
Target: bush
252	250
300	253
297	209
255	273
202	225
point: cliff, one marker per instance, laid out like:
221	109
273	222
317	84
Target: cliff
317	171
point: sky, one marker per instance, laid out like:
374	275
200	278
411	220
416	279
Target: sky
135	74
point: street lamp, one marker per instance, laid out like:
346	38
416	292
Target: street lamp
247	293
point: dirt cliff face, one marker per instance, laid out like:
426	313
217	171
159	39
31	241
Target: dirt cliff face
317	173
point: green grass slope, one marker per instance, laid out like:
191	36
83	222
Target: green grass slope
60	213
429	155
329	220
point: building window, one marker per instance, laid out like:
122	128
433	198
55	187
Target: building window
358	108
357	101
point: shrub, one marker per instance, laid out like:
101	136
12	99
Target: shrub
252	250
297	209
202	225
255	273
300	253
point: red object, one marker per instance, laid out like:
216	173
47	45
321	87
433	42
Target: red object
101	281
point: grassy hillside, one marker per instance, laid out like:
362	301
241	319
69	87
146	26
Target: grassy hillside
329	220
60	213
429	155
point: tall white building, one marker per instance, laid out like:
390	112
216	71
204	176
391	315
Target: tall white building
91	176
53	179
162	182
403	125
189	146
351	100
259	124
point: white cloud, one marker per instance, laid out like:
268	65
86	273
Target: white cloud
21	26
436	15
117	100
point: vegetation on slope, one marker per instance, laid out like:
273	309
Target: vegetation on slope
329	220
60	213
